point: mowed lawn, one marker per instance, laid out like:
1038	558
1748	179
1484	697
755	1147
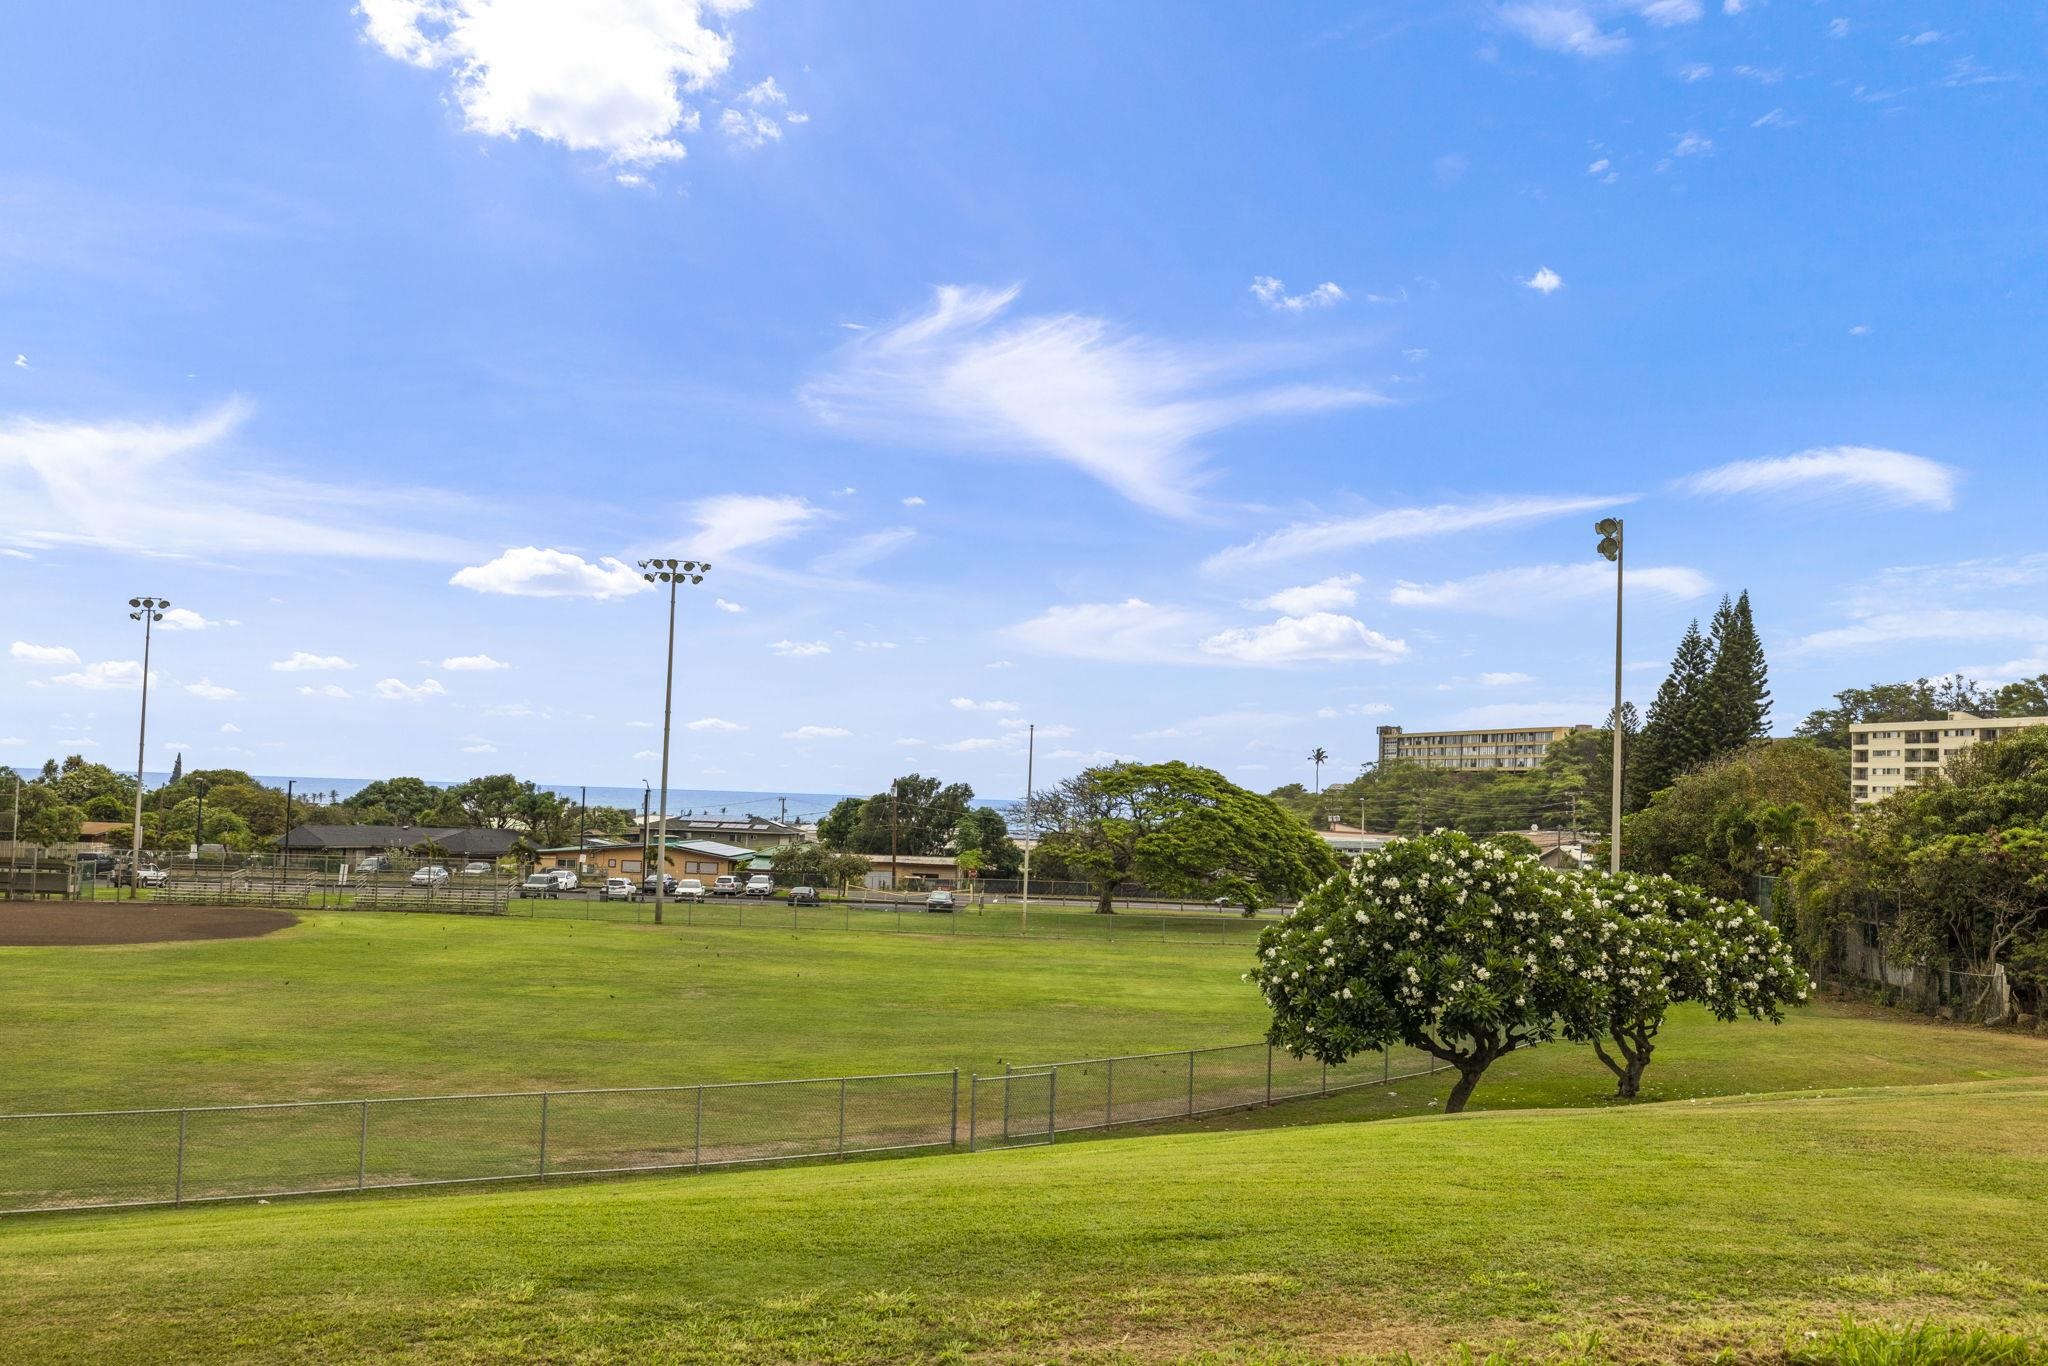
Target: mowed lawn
348	1005
1658	1231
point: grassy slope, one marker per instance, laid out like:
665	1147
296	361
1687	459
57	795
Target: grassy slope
1667	1229
347	1005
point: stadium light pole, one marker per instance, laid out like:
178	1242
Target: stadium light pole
672	573
148	611
1610	547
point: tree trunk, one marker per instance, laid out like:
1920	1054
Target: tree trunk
1468	1081
1105	898
1634	1043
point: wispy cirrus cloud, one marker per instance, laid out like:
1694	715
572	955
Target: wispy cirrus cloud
1836	474
1535	587
1136	631
173	488
1126	410
1400	524
1566	28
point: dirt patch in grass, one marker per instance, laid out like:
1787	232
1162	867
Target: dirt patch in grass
67	922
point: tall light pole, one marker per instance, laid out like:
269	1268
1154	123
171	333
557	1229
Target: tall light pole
1030	757
1610	547
672	573
148	611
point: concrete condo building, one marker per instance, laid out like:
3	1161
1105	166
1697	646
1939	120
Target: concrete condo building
1472	750
1885	756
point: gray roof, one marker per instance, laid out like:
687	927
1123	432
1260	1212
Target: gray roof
456	840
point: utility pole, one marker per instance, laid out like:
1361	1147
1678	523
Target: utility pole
582	827
148	611
1030	756
284	845
1610	546
646	815
894	881
672	573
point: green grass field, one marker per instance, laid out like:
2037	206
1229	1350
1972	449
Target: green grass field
1908	1187
1669	1231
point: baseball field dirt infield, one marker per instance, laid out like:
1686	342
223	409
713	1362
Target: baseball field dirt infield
30	925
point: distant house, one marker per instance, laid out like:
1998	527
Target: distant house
704	860
1350	841
914	872
748	832
353	843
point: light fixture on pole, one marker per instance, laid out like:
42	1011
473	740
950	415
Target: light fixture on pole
672	573
148	611
1610	548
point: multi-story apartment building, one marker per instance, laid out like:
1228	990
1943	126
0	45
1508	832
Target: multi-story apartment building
1472	750
1885	756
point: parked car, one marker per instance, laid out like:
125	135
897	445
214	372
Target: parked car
96	865
939	901
565	879
430	876
153	876
803	896
539	885
727	886
668	884
689	889
760	884
617	889
477	869
375	863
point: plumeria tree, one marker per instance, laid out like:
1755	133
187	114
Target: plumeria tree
1461	949
1659	941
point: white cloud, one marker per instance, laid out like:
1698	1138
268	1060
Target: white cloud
1922	38
714	723
1545	281
598	75
1058	731
1228	723
42	654
1599	167
1531	588
646	754
1316	637
21	362
480	747
1565	28
473	664
1273	294
969	704
749	129
1132	631
1829	473
979	742
913	501
323	690
305	661
999	664
874	645
1774	119
230	728
1860	330
1339	591
800	649
729	522
1354	709
104	675
1090	758
1838	28
863	551
397	690
1562	712
168	489
764	94
211	691
1930	623
1693	72
1504	680
1732	6
817	733
1692	145
185	619
1399	524
531	572
1669	13
722	605
1125	410
1762	75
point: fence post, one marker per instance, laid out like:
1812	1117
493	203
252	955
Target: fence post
1109	1097
1269	1074
953	1139
842	1117
973	1091
543	1135
178	1185
1052	1107
697	1154
363	1145
1191	1081
1006	1102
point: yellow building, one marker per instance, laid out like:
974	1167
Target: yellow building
1485	751
1885	756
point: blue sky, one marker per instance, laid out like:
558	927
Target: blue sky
1191	381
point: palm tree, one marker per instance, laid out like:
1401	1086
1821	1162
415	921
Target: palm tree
1319	756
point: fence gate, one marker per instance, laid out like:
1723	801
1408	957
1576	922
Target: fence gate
1013	1110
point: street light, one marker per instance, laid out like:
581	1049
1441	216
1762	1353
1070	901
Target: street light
672	573
148	611
1610	548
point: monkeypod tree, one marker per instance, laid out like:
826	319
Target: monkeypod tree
1442	943
1659	941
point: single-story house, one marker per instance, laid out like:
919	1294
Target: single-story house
1350	840
595	852
749	832
353	843
914	872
